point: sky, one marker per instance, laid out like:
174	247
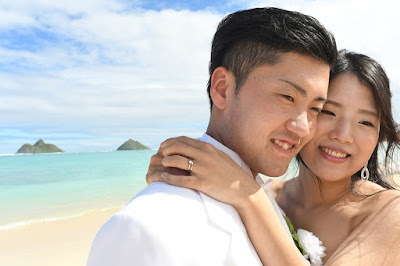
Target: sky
87	75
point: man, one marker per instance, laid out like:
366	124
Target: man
269	74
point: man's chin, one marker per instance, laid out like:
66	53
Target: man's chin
275	171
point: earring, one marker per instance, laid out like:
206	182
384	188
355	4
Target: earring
365	173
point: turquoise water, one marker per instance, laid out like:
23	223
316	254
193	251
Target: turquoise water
40	187
43	187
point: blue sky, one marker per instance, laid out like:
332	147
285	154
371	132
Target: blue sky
87	75
197	5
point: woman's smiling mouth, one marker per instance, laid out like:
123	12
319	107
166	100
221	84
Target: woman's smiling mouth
336	154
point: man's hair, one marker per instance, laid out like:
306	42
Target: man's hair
250	38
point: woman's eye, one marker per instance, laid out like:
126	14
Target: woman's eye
288	97
327	112
366	123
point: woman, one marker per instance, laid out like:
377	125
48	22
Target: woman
340	194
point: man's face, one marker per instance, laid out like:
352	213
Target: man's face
275	112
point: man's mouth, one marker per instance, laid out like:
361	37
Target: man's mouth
335	154
284	145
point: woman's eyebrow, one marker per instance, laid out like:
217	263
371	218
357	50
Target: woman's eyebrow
368	112
361	111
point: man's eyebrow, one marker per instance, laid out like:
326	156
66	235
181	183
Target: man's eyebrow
361	111
302	91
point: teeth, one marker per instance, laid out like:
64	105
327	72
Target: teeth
333	153
283	145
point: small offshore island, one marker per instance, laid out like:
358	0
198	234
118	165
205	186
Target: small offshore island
131	144
39	147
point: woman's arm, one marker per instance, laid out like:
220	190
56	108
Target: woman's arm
273	244
217	175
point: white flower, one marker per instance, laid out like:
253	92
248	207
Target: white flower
313	246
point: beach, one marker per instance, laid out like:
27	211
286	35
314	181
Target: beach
52	205
62	242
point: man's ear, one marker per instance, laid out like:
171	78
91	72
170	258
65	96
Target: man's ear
222	84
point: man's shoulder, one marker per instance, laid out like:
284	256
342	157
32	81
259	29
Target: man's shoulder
153	227
160	200
161	193
158	189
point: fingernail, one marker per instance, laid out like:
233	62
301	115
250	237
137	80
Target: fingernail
164	175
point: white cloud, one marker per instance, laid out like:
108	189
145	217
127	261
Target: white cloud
143	66
115	67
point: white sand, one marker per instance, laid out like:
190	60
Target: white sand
64	242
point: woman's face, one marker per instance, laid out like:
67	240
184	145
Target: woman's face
347	131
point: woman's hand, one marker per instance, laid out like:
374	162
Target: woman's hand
156	168
214	173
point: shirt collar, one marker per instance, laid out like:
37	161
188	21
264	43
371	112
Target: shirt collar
234	156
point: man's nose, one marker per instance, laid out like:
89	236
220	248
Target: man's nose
299	125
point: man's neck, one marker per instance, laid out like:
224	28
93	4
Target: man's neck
215	134
212	132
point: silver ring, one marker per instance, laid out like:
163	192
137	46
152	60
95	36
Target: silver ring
190	165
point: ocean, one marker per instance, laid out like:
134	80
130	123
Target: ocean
44	187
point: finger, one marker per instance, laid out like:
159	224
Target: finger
156	168
180	180
155	161
154	176
176	171
183	139
183	149
168	142
159	150
177	161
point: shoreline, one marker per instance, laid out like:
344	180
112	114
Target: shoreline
61	216
60	242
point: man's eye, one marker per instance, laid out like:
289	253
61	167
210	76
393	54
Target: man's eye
288	97
327	112
316	109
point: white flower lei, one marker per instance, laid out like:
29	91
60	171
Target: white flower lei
312	246
308	244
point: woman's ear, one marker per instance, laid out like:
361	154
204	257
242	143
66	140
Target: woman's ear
222	85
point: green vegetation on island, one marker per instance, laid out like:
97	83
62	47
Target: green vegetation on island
39	147
132	145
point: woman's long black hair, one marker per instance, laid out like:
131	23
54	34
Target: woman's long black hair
371	74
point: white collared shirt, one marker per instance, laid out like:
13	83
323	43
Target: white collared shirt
267	186
165	225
